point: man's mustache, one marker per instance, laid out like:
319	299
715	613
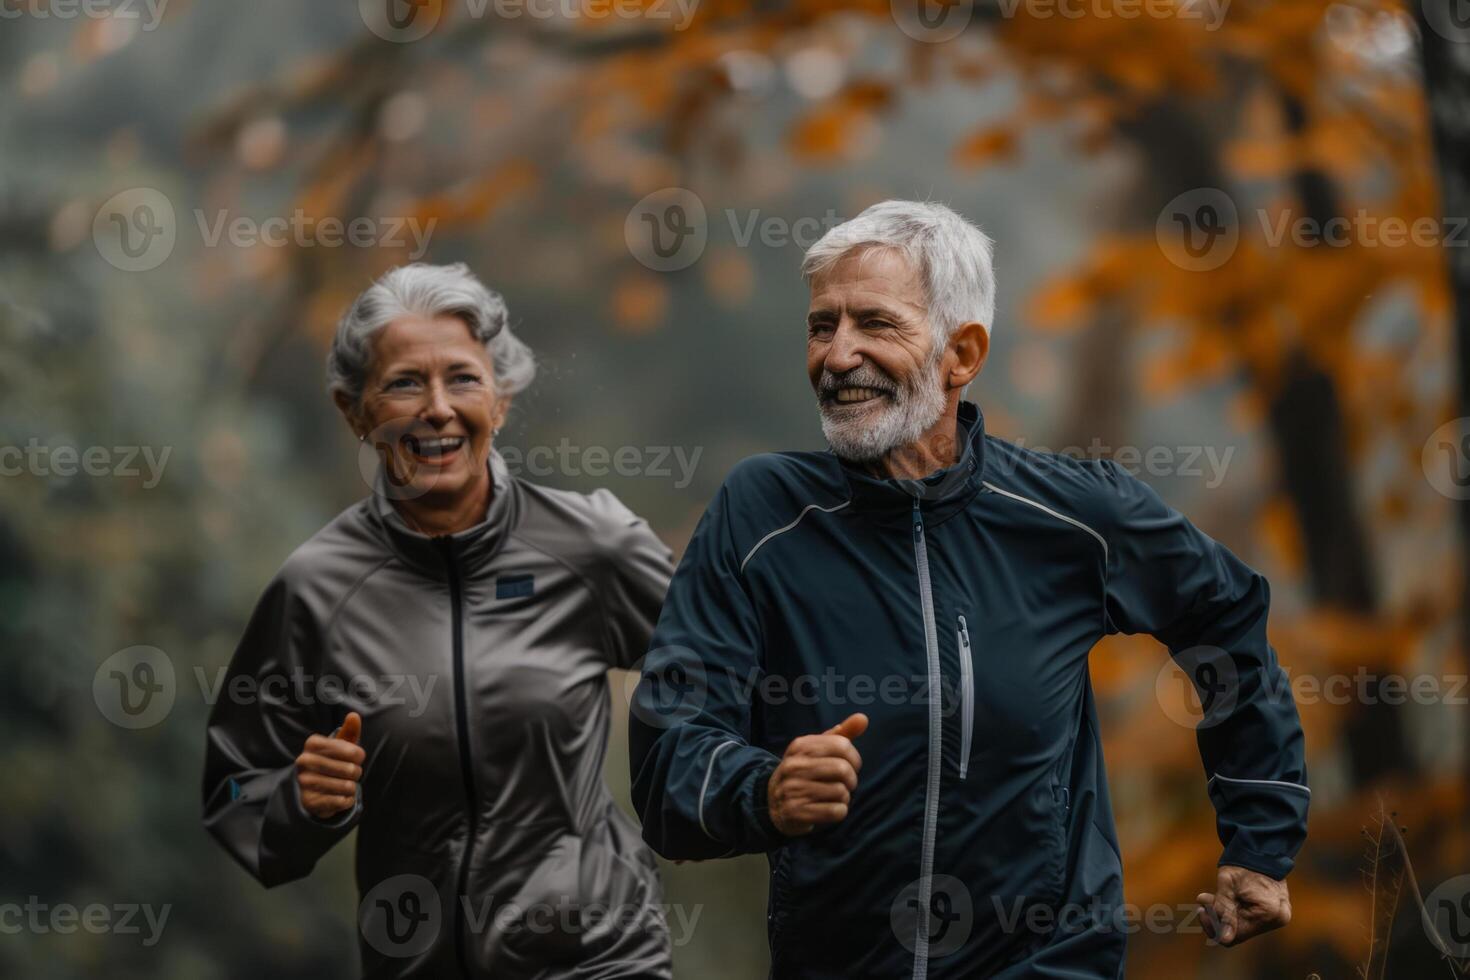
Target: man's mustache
860	377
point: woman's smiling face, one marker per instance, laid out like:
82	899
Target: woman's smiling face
429	408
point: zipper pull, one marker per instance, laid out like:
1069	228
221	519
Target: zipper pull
918	521
964	634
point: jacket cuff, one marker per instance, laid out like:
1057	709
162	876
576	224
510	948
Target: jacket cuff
765	836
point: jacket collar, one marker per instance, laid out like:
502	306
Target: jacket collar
939	494
469	550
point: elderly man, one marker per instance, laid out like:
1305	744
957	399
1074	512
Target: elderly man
949	584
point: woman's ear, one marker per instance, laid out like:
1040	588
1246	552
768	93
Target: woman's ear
502	409
970	345
348	408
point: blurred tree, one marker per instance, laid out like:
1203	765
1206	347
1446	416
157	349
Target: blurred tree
1446	63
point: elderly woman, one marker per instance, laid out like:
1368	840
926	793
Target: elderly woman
430	668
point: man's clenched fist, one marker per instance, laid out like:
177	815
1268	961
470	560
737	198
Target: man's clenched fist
1246	903
814	782
329	768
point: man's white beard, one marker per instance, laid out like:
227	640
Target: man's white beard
902	419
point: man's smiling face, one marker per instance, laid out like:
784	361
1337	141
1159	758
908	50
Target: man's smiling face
870	354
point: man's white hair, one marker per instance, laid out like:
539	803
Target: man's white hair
951	253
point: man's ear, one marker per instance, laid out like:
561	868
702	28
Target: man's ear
349	411
969	345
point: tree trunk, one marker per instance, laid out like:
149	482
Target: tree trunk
1446	64
1311	435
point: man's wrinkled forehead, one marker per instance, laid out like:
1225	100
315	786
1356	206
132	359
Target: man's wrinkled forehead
870	276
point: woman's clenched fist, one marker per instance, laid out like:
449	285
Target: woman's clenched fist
329	768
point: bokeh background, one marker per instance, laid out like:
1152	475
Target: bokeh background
1152	174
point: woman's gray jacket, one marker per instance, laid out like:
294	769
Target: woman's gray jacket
488	844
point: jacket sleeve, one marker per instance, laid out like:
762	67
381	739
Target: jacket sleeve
1167	578
699	785
252	803
632	582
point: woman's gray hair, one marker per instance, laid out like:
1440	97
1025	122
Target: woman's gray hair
950	252
428	291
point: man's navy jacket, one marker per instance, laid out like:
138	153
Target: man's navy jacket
810	591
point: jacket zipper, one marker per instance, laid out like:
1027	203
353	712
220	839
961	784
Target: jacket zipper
967	695
466	768
936	746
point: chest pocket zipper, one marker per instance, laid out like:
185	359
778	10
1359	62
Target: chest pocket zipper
967	696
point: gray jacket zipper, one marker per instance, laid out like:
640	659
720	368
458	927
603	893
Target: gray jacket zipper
466	764
967	697
936	745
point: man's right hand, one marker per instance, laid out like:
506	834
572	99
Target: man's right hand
814	782
329	768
